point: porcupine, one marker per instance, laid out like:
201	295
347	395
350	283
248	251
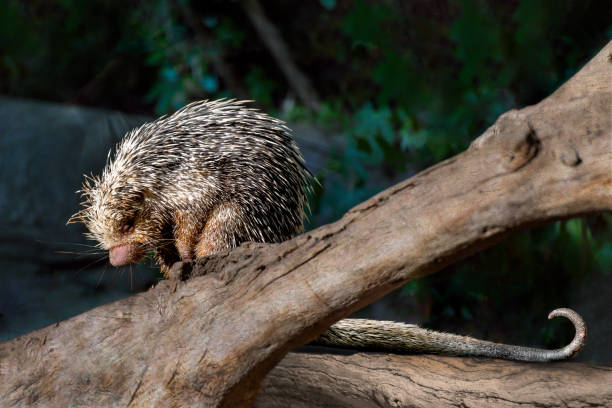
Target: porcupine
216	174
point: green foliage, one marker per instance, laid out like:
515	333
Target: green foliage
64	50
328	4
261	89
365	25
478	43
603	256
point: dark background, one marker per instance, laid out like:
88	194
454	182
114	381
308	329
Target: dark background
398	86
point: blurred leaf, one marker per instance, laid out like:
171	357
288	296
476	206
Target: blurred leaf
328	4
466	314
478	40
574	228
210	83
603	257
370	122
210	21
366	24
260	88
229	35
395	74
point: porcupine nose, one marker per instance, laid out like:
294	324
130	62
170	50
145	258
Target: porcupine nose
122	255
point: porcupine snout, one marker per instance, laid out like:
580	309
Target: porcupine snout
124	254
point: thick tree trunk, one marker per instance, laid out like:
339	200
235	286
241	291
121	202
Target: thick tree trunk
382	380
210	341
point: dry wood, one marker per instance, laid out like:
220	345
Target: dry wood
209	341
382	380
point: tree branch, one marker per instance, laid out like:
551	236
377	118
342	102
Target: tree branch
211	340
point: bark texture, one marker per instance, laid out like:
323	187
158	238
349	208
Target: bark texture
382	380
210	341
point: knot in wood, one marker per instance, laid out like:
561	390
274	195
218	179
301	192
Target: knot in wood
570	157
525	150
512	138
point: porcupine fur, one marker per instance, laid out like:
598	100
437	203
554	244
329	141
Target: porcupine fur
216	174
206	178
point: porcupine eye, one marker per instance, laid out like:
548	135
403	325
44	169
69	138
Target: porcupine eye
128	227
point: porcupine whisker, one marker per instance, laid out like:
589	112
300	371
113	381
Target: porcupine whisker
92	250
81	254
101	275
66	243
90	264
95	250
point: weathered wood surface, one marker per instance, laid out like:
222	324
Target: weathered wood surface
211	340
382	380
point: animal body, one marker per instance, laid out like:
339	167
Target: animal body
216	174
205	179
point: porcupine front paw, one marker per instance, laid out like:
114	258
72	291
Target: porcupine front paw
179	271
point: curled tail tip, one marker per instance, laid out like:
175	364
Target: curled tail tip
579	326
571	315
565	312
